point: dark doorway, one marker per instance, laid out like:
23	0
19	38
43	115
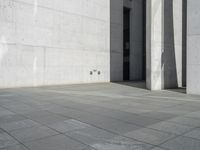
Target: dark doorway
144	42
126	45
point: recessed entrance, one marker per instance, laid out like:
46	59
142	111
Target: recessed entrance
134	39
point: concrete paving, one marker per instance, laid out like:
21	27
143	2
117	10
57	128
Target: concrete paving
107	116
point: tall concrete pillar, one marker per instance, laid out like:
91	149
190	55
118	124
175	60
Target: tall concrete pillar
164	44
193	47
154	43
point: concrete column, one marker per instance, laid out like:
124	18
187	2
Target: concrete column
193	47
164	44
154	43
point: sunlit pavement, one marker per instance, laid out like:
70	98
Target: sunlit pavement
107	116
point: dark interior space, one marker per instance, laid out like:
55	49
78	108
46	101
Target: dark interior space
144	41
126	44
134	18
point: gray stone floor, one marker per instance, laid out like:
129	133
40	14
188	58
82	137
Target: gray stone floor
109	116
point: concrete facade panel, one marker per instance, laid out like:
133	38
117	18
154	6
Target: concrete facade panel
54	42
193	47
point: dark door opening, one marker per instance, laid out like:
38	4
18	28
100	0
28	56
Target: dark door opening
126	44
144	42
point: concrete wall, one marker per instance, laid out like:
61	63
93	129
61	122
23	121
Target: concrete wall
45	42
154	43
116	39
164	44
193	47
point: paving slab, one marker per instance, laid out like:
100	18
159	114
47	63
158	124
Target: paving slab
15	147
159	115
171	127
91	135
45	117
68	125
195	133
186	121
121	143
11	118
150	136
34	133
157	148
19	125
4	112
58	142
6	140
182	143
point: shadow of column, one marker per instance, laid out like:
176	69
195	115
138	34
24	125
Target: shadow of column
169	66
116	40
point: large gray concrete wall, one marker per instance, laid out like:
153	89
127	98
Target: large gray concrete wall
164	44
116	40
44	42
193	47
